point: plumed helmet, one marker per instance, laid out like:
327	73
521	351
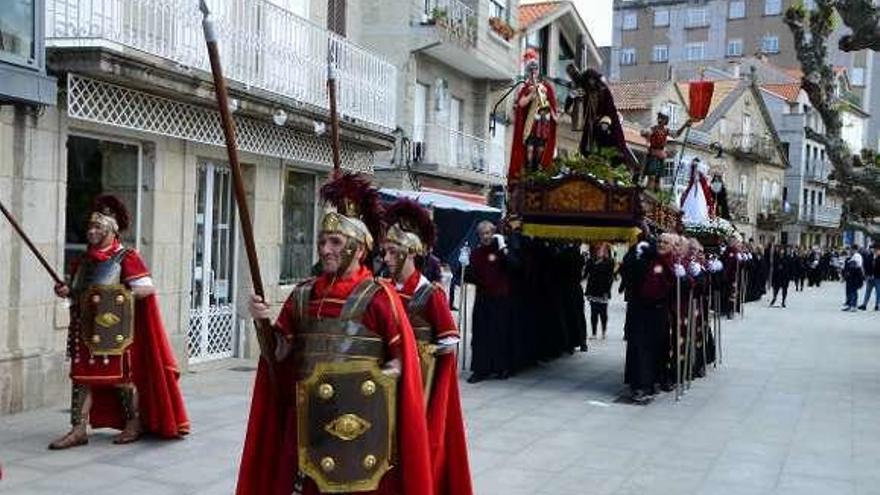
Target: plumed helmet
410	226
111	212
352	209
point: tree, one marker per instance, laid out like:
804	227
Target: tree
857	180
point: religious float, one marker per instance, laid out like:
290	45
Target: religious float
593	195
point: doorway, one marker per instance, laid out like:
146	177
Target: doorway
211	330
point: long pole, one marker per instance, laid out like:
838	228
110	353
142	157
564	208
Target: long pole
30	244
704	328
676	332
263	327
462	320
334	116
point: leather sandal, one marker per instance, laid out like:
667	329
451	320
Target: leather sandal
131	434
73	438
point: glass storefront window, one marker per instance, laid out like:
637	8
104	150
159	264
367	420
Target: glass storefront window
298	239
97	167
18	31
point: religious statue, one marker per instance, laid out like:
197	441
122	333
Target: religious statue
591	99
535	119
657	137
698	200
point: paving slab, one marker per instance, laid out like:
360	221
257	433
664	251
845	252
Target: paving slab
792	410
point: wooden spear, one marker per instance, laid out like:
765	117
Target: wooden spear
334	116
265	336
33	248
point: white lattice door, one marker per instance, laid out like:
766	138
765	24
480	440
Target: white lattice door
211	333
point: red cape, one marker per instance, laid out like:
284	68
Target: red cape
518	148
269	460
449	458
153	371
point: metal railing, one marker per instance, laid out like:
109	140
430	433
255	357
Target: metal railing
455	18
822	216
753	144
262	46
455	149
817	171
738	204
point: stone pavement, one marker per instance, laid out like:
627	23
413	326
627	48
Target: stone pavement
793	410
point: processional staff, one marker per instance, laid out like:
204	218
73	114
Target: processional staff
265	336
30	245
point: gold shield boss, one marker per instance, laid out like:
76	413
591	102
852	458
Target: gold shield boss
346	425
107	319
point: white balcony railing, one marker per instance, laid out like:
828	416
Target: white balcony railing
455	18
262	46
455	149
822	216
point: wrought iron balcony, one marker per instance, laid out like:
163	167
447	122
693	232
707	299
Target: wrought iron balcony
822	216
754	146
262	46
738	204
456	20
445	147
817	171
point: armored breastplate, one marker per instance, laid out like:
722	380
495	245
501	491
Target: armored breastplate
89	273
338	339
415	310
104	305
346	405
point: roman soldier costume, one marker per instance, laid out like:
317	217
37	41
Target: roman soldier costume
412	230
123	370
535	119
343	410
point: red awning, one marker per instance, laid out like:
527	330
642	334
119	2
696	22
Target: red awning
472	197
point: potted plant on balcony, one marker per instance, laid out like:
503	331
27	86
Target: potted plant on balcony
502	28
438	16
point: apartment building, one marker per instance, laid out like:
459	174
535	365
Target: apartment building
135	116
816	211
453	58
662	39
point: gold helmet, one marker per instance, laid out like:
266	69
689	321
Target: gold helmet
352	209
411	227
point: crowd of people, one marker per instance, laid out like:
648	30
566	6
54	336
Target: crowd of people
511	330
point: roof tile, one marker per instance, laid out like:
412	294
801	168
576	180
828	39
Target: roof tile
635	95
529	13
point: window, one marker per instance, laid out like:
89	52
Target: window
734	48
420	120
498	8
628	56
630	20
336	16
661	17
673	110
660	53
736	9
770	44
772	7
97	167
744	184
765	195
18	32
696	51
857	76
298	229
697	17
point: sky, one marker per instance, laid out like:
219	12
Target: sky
597	16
